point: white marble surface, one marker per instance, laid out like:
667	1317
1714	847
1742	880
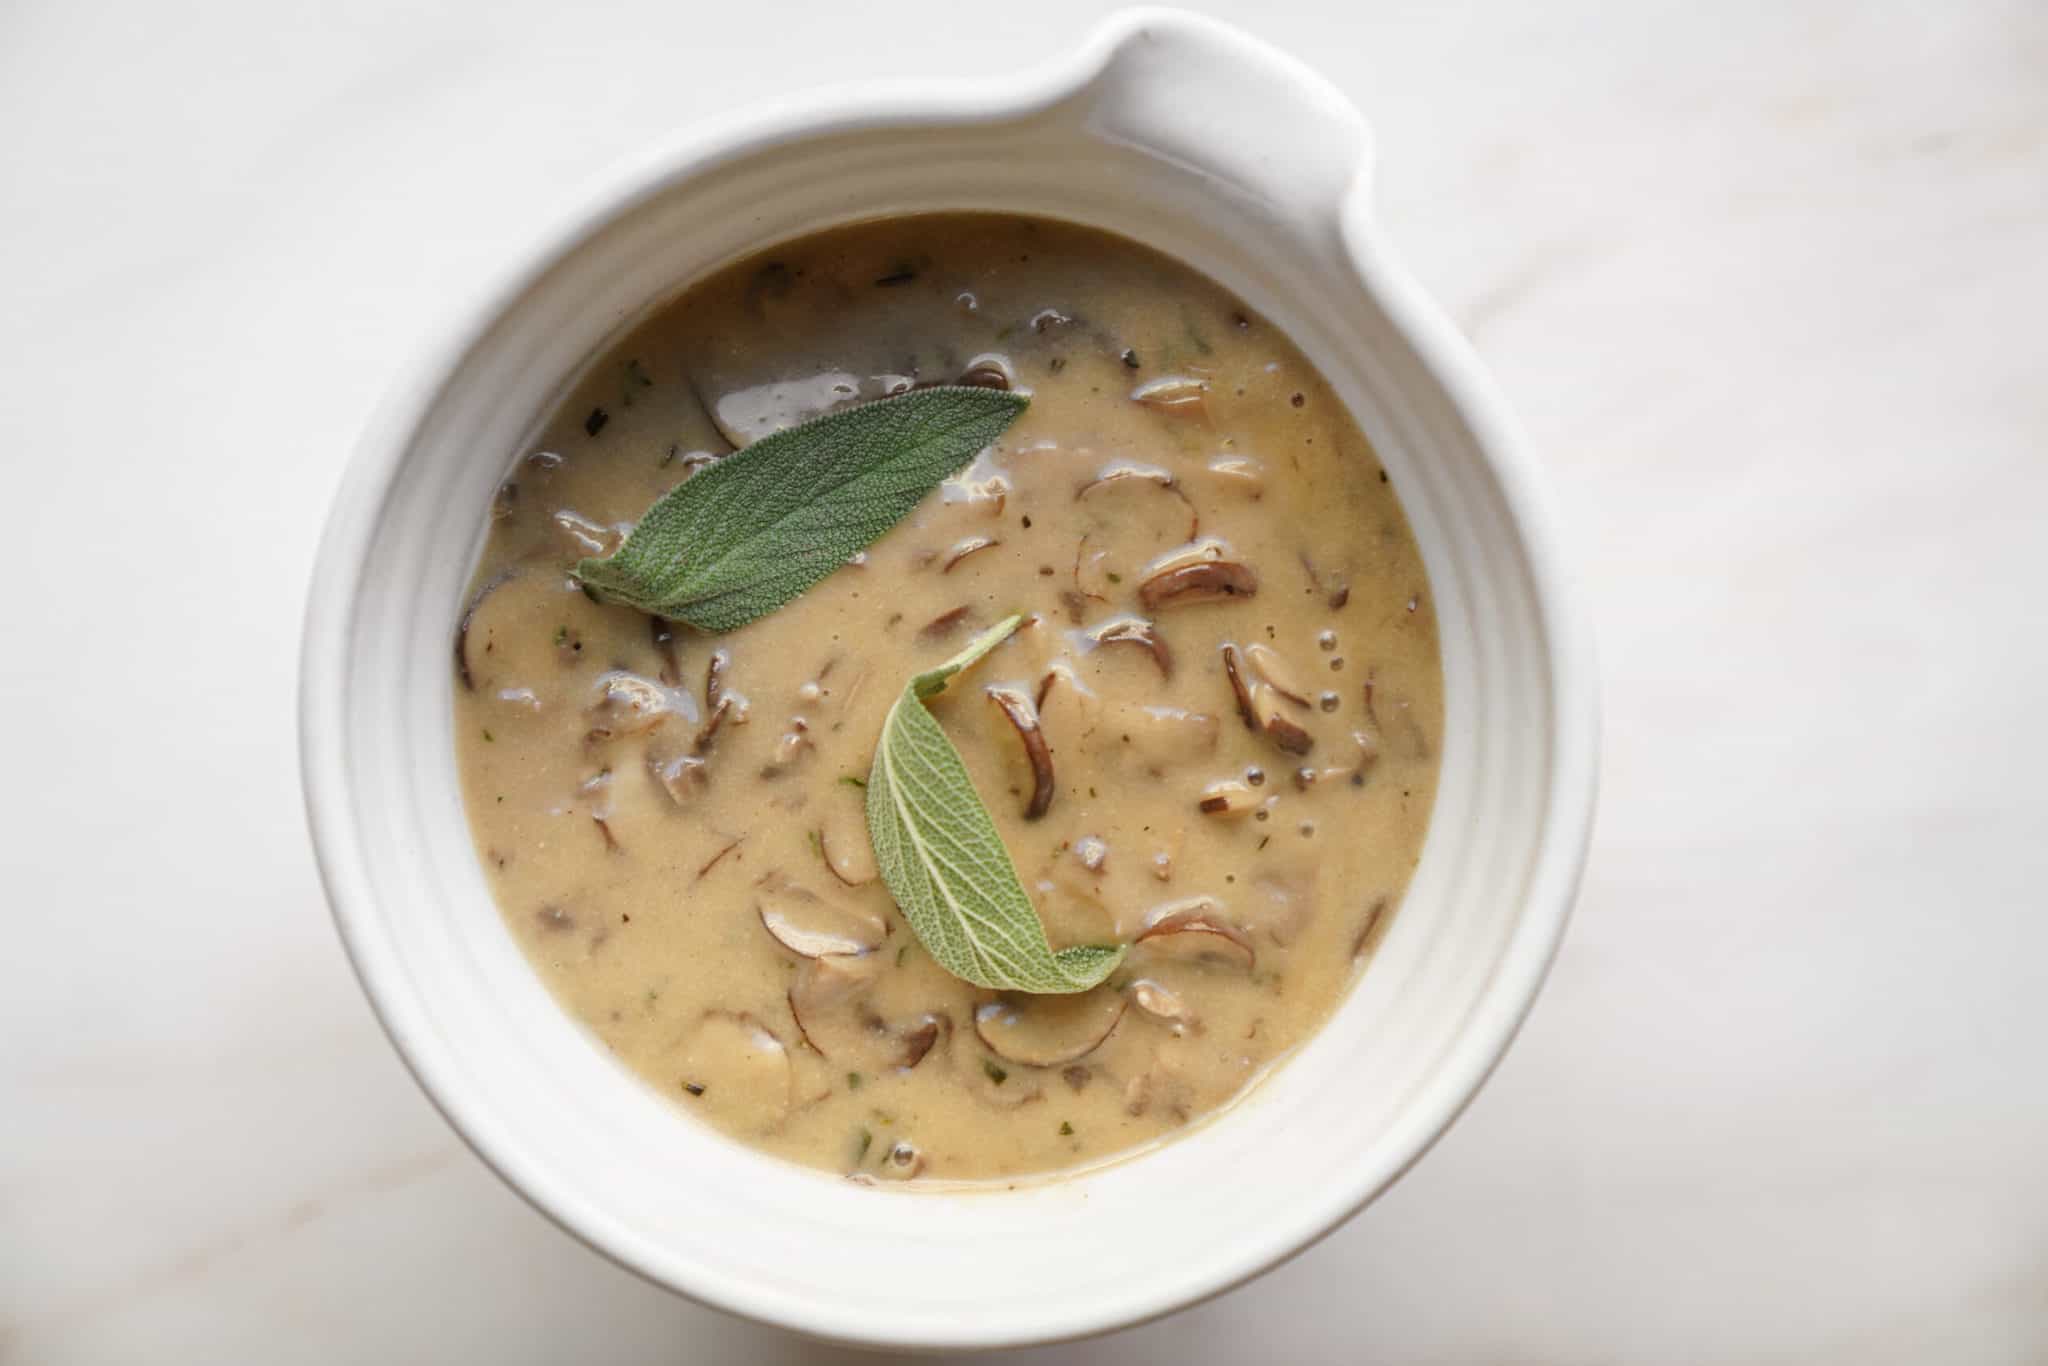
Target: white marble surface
1769	283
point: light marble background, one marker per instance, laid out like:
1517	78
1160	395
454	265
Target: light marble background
1769	284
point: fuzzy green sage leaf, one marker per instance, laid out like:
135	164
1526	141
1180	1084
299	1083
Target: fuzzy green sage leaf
943	861
741	538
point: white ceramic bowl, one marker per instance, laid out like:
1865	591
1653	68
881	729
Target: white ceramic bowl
1185	135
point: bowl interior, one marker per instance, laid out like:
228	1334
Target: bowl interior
669	1197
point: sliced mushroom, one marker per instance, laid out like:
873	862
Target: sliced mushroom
731	708
988	371
1067	706
1134	631
944	624
1162	1003
1200	581
833	1000
811	927
962	549
683	776
818	930
1131	473
829	1001
849	866
903	1161
1239	473
1196	929
1023	718
1228	797
920	1038
1179	395
1260	703
715	670
744	413
737	1069
628	704
1048	1031
730	847
791	748
462	669
1237	670
1268	664
1283	730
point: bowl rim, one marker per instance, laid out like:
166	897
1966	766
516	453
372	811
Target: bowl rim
367	486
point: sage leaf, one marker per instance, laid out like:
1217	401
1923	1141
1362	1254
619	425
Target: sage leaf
943	861
742	537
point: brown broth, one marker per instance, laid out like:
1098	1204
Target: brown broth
635	858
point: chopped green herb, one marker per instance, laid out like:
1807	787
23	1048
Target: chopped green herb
853	1081
852	780
746	535
561	635
995	1072
1114	577
488	737
594	424
1130	358
883	1116
943	859
902	952
863	1140
1066	1129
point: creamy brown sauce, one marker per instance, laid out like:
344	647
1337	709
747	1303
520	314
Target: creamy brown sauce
672	823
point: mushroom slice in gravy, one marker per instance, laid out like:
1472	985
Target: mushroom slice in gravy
1180	585
1162	1003
811	927
831	1000
1022	715
1046	1031
1196	930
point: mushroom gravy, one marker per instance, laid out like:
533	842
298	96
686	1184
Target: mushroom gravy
1214	738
